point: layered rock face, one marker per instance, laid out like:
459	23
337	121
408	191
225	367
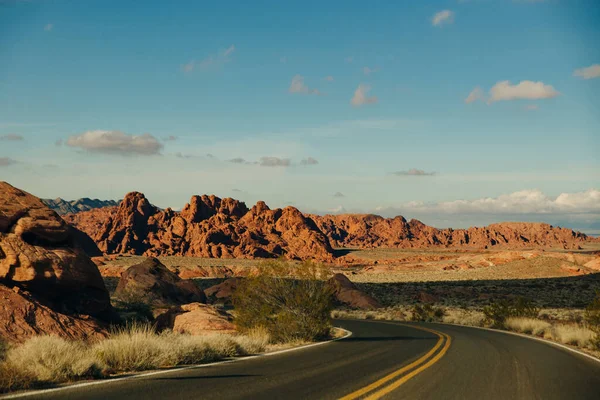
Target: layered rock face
368	230
206	227
47	279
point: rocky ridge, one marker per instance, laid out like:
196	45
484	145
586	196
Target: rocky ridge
225	228
206	227
63	207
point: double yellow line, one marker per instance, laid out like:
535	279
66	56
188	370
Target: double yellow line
378	387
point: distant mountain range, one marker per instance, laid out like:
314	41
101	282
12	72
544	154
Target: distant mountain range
63	207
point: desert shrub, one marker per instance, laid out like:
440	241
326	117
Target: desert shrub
53	359
573	335
134	347
464	317
292	302
426	313
132	309
592	319
14	377
531	326
496	313
255	341
3	349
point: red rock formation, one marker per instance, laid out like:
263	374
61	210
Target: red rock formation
48	285
39	252
347	294
152	283
22	316
224	228
365	231
206	227
195	319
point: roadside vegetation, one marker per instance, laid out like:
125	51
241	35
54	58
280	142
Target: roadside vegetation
290	302
520	315
48	360
280	306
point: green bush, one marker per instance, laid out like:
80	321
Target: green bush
592	318
291	301
427	313
496	313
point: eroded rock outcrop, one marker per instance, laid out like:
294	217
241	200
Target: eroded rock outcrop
195	319
39	252
368	230
349	295
22	316
152	283
206	227
48	284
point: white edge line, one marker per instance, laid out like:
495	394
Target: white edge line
550	342
166	371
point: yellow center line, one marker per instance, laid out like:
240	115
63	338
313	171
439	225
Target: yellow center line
387	378
404	379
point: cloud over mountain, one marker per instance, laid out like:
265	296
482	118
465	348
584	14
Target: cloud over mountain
116	142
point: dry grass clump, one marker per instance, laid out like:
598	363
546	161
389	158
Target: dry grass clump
46	359
573	335
53	359
464	317
137	347
532	326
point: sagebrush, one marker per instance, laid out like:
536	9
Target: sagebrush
292	302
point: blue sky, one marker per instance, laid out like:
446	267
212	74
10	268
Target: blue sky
406	106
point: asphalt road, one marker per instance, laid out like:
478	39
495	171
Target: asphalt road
380	360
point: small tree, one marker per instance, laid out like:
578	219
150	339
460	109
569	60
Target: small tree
592	318
291	301
497	313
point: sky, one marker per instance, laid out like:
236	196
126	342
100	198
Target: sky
458	113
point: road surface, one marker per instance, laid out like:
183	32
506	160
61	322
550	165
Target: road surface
380	360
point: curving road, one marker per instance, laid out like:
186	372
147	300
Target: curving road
380	360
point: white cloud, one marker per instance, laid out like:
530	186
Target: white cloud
591	72
12	137
274	162
48	27
116	142
298	86
213	60
360	96
413	172
522	202
526	90
309	161
475	95
6	161
442	18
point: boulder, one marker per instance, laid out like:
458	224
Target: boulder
346	293
22	316
223	291
40	253
152	283
195	319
